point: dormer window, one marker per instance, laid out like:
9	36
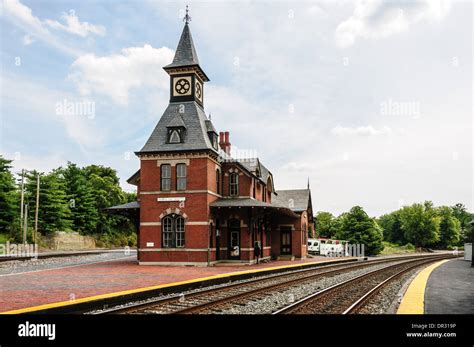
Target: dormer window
214	141
175	135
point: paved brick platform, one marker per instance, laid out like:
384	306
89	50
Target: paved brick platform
450	289
55	285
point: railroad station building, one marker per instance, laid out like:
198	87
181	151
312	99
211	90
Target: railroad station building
199	205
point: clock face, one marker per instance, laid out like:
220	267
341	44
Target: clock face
182	86
198	91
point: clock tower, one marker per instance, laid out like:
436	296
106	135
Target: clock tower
186	75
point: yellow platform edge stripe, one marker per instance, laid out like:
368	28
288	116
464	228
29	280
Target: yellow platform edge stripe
164	285
413	301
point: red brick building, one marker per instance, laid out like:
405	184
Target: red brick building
197	204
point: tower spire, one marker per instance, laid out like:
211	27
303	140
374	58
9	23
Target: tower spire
308	183
187	17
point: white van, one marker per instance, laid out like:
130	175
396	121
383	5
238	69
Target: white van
313	246
327	247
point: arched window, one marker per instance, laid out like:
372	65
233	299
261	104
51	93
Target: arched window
234	184
174	137
173	231
218	181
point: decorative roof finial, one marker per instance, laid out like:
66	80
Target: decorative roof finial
187	17
308	183
210	118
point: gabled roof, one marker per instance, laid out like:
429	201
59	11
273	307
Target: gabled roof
134	178
176	121
257	168
297	200
194	120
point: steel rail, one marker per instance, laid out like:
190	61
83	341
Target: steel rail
197	307
359	302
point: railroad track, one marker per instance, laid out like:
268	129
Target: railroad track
350	296
212	300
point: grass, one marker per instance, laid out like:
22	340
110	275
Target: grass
4	238
393	248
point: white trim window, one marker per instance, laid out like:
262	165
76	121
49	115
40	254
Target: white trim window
181	177
234	184
165	177
173	231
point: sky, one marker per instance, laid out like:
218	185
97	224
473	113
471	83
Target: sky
370	100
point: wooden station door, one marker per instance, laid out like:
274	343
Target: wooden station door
233	239
285	240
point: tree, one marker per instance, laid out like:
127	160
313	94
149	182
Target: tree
54	213
324	222
8	196
391	226
420	224
461	213
107	192
467	222
82	200
358	228
449	227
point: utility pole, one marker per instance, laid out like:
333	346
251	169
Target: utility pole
37	207
22	201
26	224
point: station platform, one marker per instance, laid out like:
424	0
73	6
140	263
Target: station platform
43	289
445	287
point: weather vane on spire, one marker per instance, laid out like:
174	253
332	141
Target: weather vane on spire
187	17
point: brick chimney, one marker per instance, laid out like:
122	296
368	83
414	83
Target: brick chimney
224	142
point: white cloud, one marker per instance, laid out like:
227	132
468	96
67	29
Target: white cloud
44	163
377	19
362	130
41	101
23	17
115	75
74	26
27	40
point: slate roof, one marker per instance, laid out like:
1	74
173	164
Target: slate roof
176	121
134	178
252	164
127	206
248	202
194	120
185	52
186	55
210	126
297	200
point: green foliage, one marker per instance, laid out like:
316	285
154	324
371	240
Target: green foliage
71	198
467	222
357	227
323	222
54	213
107	192
393	248
420	224
449	228
9	209
391	226
82	199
